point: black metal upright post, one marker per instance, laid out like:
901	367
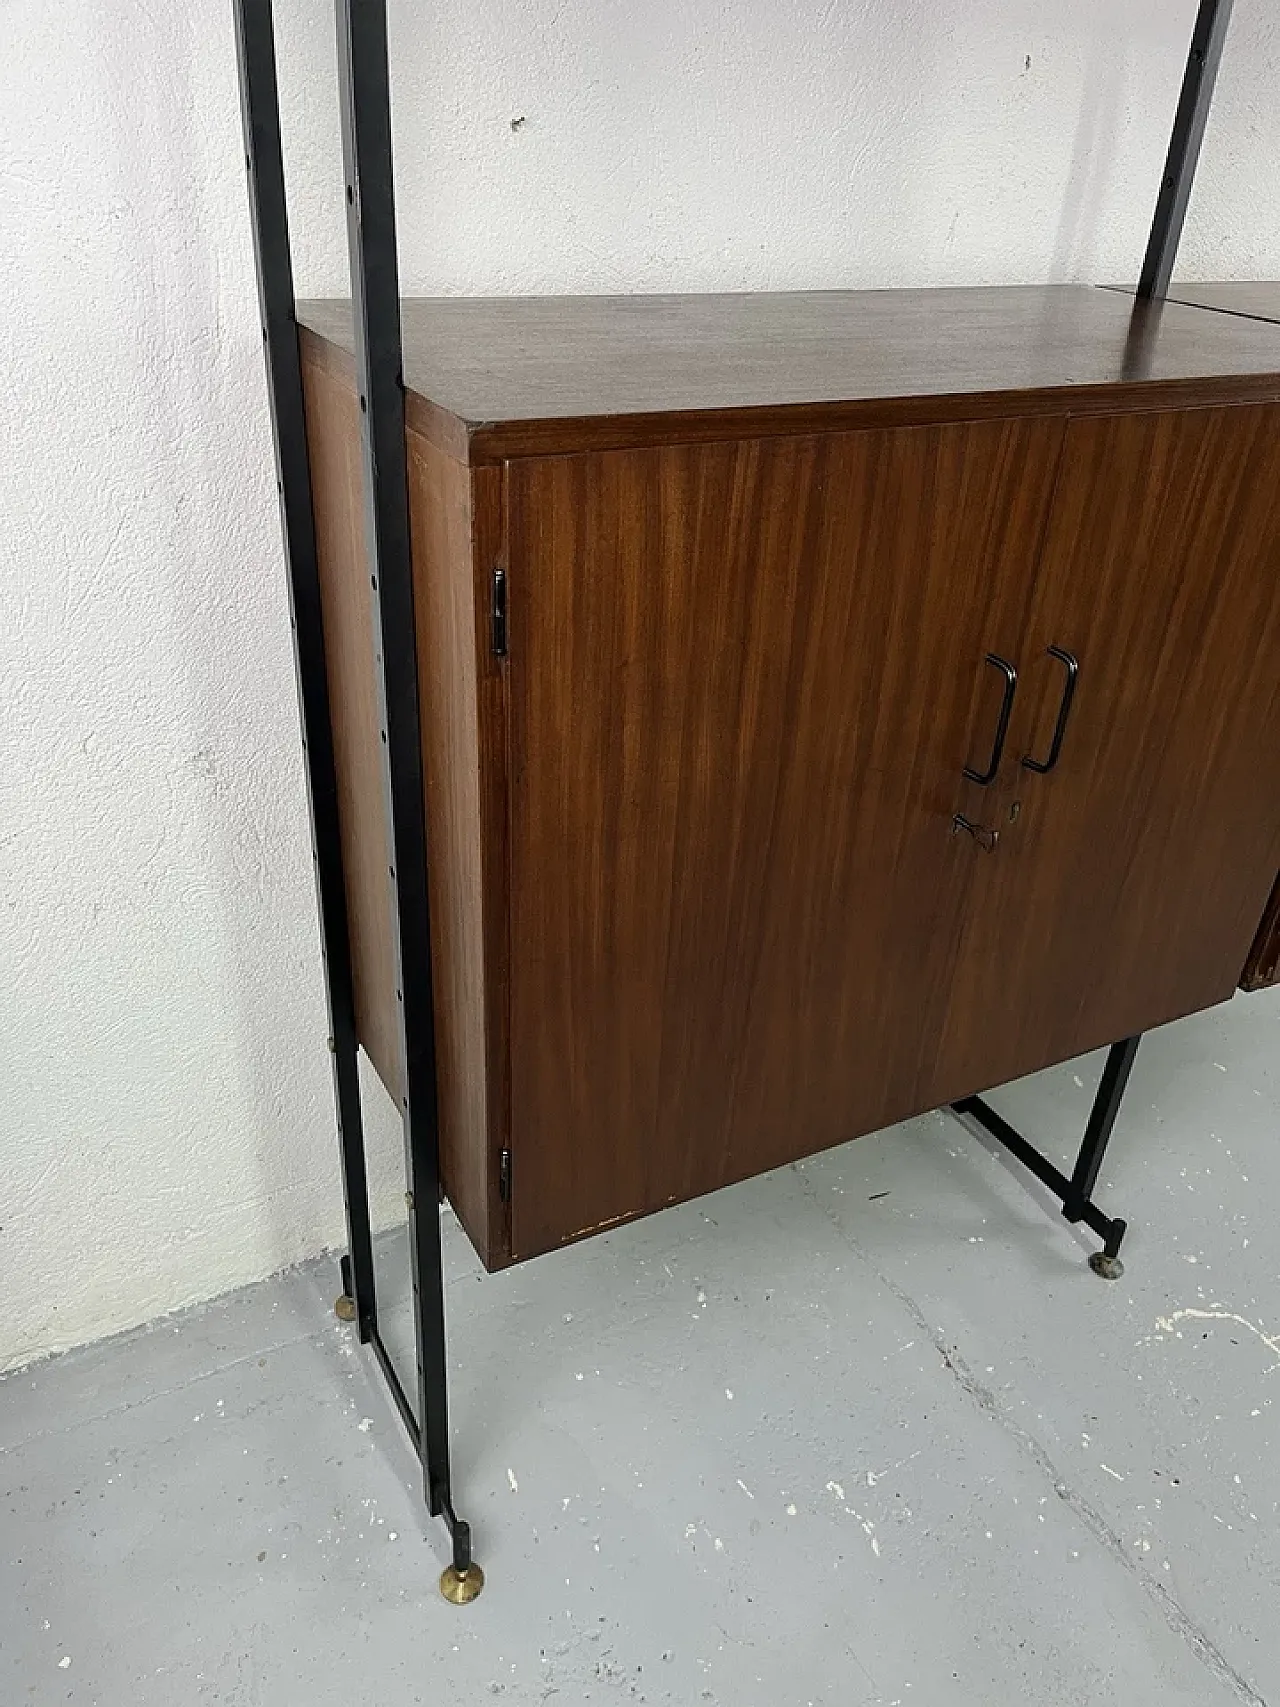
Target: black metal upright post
260	113
1184	146
375	288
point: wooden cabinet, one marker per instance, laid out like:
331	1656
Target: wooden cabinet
720	605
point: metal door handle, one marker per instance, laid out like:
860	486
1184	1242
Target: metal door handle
985	837
1072	667
1002	726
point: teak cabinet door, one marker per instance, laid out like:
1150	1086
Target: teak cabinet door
1128	889
744	680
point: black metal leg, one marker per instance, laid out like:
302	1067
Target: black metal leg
375	290
1102	1117
260	115
1076	1193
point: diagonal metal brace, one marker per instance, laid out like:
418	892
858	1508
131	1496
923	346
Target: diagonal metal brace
1076	1193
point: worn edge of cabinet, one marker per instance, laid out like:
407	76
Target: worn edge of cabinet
488	552
738	1177
1262	968
454	514
477	443
439	427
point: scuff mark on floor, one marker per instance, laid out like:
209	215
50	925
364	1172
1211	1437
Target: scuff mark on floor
1169	1324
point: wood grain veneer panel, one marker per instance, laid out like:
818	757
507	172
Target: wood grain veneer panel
744	682
1129	889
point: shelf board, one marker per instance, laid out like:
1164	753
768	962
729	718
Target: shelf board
1257	299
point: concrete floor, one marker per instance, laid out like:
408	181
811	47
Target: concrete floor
865	1431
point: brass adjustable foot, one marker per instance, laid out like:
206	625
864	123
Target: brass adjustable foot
461	1587
461	1581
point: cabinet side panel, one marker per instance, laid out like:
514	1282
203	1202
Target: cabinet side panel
333	441
446	615
1262	968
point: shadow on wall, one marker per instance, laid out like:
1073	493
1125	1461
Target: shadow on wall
1093	154
592	147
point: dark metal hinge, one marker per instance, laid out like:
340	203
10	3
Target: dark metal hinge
504	1176
499	613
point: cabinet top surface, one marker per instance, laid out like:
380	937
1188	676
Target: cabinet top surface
489	377
1258	298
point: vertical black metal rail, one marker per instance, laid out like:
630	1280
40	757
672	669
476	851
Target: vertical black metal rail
371	234
1184	146
1075	1194
260	113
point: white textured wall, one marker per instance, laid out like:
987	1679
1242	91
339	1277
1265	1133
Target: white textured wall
165	1116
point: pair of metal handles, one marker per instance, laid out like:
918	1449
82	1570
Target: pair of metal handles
1043	766
980	832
